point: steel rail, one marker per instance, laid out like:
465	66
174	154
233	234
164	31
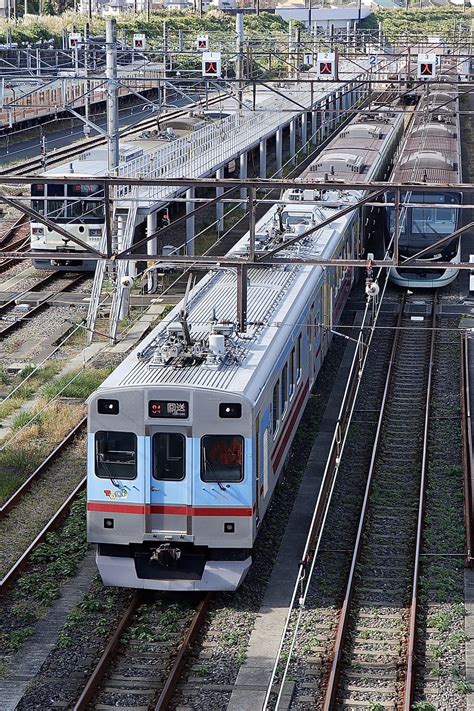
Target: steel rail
331	470
467	456
24	488
36	287
331	687
176	670
12	228
13	325
103	664
21	563
21	244
411	641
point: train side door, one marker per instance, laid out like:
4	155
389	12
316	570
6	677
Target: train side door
266	464
311	342
168	480
318	329
327	312
257	468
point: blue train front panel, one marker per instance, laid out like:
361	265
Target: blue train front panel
171	499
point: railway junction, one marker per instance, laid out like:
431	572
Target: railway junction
260	393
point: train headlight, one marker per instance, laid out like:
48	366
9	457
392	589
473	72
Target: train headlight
37	232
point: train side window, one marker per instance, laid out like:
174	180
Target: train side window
310	324
284	389
292	373
298	358
222	458
37	190
55	207
116	455
169	463
276	408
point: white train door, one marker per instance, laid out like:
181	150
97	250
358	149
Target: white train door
266	461
257	467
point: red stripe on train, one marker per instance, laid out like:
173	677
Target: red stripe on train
176	510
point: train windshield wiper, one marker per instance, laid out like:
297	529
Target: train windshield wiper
208	465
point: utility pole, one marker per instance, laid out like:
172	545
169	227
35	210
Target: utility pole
165	61
290	48
87	128
239	31
112	96
298	52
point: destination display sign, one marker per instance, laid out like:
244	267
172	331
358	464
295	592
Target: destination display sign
171	409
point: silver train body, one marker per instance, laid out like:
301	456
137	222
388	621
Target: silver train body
80	209
188	436
430	153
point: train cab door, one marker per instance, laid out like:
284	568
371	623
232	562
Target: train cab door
169	483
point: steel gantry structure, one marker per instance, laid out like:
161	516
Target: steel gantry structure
225	188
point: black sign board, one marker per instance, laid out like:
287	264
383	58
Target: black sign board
169	409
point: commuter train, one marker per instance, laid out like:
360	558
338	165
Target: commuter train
24	103
188	436
430	153
80	207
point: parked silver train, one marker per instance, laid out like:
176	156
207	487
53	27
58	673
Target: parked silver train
188	436
431	153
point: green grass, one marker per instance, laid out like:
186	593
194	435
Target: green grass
84	383
9	482
25	418
21	459
9	406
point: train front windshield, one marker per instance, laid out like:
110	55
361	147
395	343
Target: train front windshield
83	202
422	226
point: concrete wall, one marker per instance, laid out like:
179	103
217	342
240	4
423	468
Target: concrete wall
338	17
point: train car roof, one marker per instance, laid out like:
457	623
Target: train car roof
275	295
93	162
431	151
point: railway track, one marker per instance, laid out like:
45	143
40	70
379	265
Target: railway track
13	318
350	643
375	639
8	507
15	239
143	669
